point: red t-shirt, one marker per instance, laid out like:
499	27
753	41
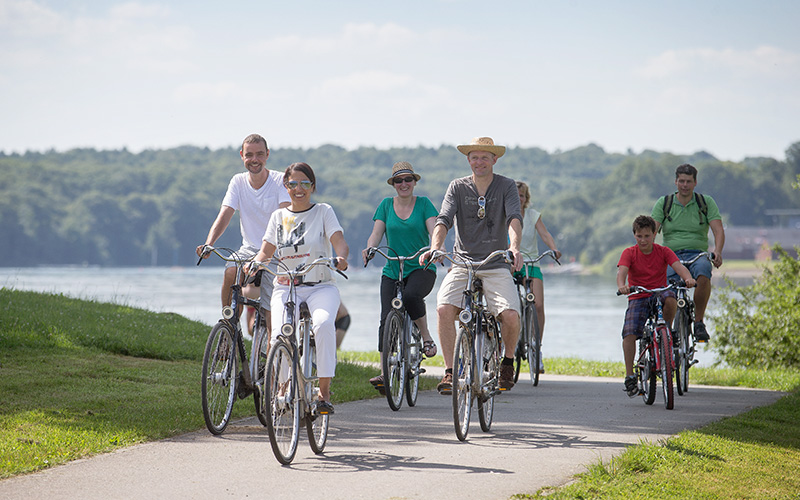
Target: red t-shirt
647	270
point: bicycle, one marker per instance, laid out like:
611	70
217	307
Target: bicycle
291	384
478	349
222	379
685	347
655	358
529	346
402	344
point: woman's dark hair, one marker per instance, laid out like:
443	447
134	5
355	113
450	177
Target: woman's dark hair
303	168
644	221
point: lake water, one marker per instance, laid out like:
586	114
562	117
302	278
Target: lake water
584	315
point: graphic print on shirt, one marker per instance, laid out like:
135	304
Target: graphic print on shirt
290	235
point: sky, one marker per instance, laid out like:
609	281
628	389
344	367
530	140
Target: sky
679	76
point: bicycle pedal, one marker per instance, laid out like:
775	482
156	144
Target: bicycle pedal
421	371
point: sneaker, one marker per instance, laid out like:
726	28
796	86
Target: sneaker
700	333
631	386
541	366
445	387
506	377
324	408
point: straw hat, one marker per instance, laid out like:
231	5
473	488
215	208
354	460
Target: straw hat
482	144
401	168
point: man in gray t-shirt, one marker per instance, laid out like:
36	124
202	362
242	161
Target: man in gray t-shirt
485	211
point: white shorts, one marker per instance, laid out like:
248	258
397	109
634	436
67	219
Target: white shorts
498	288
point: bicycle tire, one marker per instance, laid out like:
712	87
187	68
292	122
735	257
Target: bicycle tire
534	351
316	424
492	367
462	382
414	356
665	347
262	335
393	360
219	375
647	372
682	362
283	415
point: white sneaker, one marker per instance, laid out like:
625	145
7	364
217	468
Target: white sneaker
541	366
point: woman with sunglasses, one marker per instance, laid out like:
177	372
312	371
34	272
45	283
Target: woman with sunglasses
300	233
407	221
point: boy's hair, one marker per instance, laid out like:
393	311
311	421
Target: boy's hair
687	170
644	221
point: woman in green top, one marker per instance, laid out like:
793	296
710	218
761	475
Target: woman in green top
407	221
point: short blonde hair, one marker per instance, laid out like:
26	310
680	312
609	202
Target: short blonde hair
521	186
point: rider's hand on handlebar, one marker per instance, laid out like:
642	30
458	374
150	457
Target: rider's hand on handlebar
624	290
341	263
518	259
202	252
691	283
252	267
367	254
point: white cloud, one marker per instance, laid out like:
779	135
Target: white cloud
762	61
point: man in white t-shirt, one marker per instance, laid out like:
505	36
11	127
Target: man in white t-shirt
255	194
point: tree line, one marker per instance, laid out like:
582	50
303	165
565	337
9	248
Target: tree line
118	208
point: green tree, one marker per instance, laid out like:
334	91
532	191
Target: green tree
759	324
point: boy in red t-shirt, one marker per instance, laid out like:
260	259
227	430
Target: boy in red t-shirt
645	264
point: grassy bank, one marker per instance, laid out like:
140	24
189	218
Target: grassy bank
79	378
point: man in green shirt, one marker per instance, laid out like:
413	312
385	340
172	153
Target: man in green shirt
686	228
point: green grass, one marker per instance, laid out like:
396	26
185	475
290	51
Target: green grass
79	378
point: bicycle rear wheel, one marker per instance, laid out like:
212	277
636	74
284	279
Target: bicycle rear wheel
647	370
665	347
534	351
283	416
462	382
414	357
491	367
316	424
393	359
218	386
262	336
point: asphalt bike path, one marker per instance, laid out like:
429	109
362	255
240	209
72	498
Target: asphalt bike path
541	436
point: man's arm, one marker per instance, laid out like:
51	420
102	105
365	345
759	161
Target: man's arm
719	240
515	236
217	228
437	243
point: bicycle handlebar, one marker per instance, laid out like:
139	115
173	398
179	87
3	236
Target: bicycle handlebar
472	264
640	289
302	269
548	253
707	255
371	251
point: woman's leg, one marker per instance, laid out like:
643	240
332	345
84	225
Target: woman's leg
418	285
323	302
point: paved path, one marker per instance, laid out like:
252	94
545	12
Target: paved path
541	436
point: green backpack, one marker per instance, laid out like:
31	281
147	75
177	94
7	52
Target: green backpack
698	198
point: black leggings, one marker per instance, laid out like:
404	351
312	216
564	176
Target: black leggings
417	285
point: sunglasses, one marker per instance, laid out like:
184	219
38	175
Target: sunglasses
400	180
481	207
303	184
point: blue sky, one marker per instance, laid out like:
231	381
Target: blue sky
680	76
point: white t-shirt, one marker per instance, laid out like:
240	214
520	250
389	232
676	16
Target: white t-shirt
301	237
255	206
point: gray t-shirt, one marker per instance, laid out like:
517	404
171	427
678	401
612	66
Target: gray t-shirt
476	238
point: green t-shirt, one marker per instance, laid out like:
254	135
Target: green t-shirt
405	237
688	229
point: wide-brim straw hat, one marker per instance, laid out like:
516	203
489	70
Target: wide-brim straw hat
482	144
402	168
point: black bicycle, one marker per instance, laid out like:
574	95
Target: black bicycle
222	378
685	346
529	346
402	346
478	349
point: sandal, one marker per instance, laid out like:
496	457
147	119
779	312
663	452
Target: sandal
324	407
429	348
377	383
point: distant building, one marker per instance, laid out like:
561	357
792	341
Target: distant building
748	242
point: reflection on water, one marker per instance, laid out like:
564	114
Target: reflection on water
583	314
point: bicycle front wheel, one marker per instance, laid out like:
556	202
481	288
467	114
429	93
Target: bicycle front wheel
262	336
393	359
283	415
665	348
682	358
316	424
534	351
414	357
218	386
491	368
462	382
